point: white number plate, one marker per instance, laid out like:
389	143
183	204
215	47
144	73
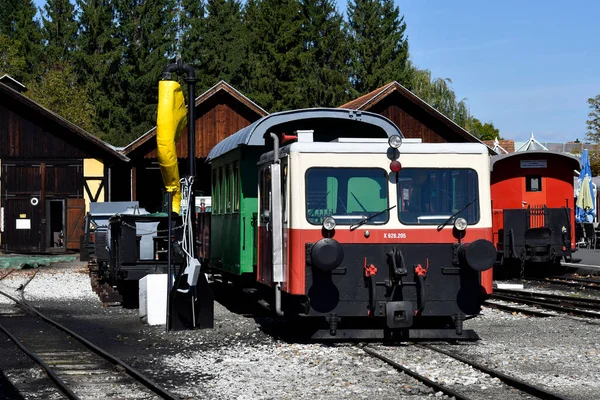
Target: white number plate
394	235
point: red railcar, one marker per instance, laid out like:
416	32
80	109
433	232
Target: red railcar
533	207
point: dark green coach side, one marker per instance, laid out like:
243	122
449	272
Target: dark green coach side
233	236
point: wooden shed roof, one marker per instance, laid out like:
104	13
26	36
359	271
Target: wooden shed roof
367	101
104	149
221	86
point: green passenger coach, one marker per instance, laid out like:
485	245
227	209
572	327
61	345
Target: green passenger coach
234	211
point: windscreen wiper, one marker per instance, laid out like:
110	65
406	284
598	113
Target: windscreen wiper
363	221
441	226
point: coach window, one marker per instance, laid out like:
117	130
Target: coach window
229	188
223	201
533	183
235	178
347	194
215	190
432	195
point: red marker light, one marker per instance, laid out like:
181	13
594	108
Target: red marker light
395	166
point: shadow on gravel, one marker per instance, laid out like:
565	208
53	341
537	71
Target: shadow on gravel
290	330
7	390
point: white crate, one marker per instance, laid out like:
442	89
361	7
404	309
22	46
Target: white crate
153	299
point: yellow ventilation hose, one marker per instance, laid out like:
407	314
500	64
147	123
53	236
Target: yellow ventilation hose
170	122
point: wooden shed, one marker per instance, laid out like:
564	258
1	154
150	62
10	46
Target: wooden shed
50	170
414	117
220	111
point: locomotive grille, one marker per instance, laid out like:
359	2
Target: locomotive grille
537	216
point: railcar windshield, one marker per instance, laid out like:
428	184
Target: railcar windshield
429	196
347	194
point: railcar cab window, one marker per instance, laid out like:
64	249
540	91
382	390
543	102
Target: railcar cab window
347	194
429	196
533	183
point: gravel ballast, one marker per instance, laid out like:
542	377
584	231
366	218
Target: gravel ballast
238	360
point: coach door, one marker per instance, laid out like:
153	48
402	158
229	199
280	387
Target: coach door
265	228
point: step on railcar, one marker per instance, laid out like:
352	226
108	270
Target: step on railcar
349	222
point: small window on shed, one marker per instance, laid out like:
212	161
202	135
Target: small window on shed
533	183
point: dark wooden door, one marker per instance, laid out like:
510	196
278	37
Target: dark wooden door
22	231
75	220
22	186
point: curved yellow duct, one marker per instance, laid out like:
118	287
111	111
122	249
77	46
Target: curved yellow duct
170	122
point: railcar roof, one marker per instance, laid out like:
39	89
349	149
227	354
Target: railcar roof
371	146
326	122
574	161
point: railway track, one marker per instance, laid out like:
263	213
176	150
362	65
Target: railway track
508	386
581	307
581	283
78	368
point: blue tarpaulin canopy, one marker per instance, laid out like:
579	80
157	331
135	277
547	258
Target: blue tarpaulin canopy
584	208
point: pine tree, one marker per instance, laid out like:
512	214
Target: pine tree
59	30
380	50
12	61
275	44
99	64
325	56
18	24
147	30
223	49
8	9
190	29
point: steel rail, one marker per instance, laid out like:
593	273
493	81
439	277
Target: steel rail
504	307
62	386
564	281
426	381
7	274
552	298
107	356
509	380
567	310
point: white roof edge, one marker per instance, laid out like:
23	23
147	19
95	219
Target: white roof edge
13	79
237	91
381	148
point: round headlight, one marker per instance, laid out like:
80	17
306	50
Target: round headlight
395	141
329	223
460	224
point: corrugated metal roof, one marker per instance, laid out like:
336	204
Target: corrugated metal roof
254	134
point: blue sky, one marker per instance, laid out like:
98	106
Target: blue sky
525	65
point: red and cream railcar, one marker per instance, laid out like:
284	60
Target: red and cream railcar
393	232
533	210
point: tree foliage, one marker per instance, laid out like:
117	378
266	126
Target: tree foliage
98	62
224	47
19	26
325	58
593	122
59	91
379	48
60	31
485	131
12	61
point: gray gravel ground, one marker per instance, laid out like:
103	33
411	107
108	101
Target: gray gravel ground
238	360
